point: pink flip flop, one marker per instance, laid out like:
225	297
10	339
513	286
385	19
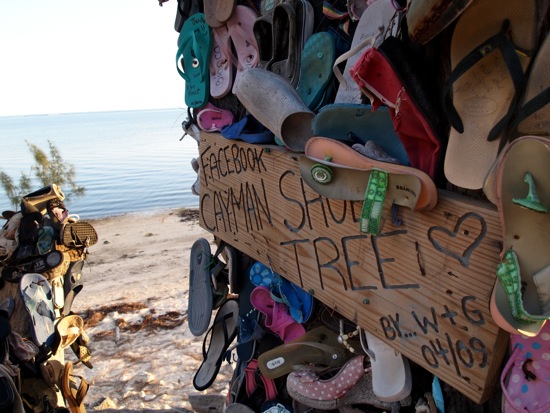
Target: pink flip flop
213	119
241	32
221	68
277	316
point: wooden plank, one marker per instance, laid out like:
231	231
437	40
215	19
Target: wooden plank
422	286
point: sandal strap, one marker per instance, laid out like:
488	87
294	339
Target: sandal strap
250	378
535	104
508	274
222	321
373	205
500	41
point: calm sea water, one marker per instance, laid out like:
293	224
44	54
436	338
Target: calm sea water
129	161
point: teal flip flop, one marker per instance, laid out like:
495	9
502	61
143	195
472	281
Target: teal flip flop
357	123
316	73
193	58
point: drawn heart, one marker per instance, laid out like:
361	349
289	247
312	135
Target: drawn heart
464	257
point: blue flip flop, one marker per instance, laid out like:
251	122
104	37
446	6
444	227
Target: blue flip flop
36	293
249	130
299	302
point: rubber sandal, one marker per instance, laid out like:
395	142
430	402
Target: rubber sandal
249	130
368	33
317	349
213	119
299	302
68	329
185	9
78	235
221	67
391	373
358	123
250	329
240	28
495	49
72	284
200	300
292	24
534	114
276	315
316	69
74	393
40	198
427	18
219	337
521	295
192	60
217	12
392	74
36	294
81	350
407	186
263	32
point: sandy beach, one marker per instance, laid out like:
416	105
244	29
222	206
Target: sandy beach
134	302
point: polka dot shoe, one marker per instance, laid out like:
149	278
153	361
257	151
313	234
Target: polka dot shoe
525	379
306	384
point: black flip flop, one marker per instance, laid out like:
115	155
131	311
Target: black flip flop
72	284
219	337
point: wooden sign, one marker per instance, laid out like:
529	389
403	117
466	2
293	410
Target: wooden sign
422	285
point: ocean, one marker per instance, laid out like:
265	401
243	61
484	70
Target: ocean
128	161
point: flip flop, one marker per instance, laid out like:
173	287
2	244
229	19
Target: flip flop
213	119
249	130
358	123
74	393
407	186
36	294
78	234
368	33
520	301
534	114
317	349
217	12
219	336
250	330
276	315
68	329
391	373
485	52
192	60
392	74
41	197
72	284
299	302
292	24
241	33
316	69
200	301
221	67
427	18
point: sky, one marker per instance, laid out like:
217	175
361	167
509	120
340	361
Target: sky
61	56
